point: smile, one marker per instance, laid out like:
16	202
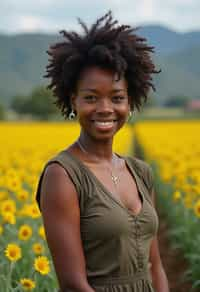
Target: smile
104	124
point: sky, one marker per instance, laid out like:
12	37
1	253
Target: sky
51	16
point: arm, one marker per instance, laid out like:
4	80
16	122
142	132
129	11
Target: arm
61	217
159	277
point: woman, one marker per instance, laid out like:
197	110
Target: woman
96	205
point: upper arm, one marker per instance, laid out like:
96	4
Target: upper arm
61	217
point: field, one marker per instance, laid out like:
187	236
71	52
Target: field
172	148
25	261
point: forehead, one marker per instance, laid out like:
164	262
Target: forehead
95	77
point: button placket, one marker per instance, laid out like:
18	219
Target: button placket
138	244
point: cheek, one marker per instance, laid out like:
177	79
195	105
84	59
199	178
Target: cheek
125	109
83	109
83	115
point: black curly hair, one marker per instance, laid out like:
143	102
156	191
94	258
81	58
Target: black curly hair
107	45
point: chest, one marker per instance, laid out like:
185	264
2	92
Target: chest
121	184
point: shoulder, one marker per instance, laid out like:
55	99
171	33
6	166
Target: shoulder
59	173
139	163
65	163
57	184
144	170
53	171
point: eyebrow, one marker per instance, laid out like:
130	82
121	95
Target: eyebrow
96	91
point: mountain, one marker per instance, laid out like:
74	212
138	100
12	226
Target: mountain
187	59
175	80
23	59
167	41
22	63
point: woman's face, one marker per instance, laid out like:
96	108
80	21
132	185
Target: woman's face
101	102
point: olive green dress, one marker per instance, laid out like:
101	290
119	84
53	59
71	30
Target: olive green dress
116	242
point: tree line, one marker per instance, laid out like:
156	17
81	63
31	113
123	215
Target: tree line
39	104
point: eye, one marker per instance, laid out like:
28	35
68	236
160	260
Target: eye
118	98
90	98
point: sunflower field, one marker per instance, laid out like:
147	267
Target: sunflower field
173	150
26	264
171	147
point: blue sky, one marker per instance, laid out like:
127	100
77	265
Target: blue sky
18	16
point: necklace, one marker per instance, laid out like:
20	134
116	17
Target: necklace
114	178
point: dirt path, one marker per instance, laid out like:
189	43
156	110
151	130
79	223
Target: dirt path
173	262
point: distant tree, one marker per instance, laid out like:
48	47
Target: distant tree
177	101
151	101
18	103
39	104
2	112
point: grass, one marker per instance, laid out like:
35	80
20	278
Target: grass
163	113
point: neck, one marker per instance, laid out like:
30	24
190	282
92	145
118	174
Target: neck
99	150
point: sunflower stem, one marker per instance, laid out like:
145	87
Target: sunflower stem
9	278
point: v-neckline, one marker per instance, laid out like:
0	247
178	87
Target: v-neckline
104	188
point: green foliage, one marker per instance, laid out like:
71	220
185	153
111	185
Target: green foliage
18	104
151	101
183	229
2	112
177	101
22	61
183	224
40	104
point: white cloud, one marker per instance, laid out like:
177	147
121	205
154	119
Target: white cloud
29	23
53	15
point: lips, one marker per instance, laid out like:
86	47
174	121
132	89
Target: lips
104	121
104	125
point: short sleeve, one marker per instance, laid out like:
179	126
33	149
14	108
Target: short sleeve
73	172
145	172
150	178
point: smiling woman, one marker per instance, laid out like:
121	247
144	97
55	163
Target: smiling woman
97	206
101	103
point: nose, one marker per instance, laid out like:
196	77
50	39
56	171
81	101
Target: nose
105	106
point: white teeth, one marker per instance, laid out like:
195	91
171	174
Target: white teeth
104	123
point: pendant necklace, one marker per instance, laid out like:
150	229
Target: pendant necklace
114	178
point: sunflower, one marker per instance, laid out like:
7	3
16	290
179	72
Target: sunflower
9	217
25	232
41	232
197	208
34	211
3	195
176	195
13	252
30	210
22	195
41	265
8	206
27	284
38	248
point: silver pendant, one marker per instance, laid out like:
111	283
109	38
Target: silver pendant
114	178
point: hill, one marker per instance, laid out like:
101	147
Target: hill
167	41
23	59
